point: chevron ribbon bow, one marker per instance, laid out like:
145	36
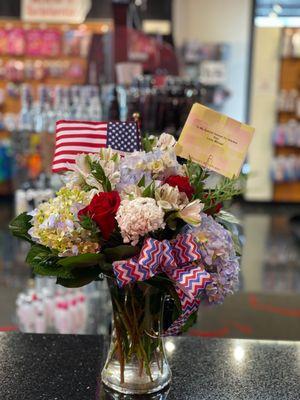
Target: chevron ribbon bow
179	260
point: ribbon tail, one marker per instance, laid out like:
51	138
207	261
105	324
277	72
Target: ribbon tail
190	282
191	306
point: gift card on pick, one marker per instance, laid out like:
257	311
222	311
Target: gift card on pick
214	141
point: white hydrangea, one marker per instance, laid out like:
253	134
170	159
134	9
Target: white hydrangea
138	217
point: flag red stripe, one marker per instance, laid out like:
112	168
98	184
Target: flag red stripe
64	160
81	128
69	122
81	135
83	144
78	140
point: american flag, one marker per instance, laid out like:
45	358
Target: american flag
75	137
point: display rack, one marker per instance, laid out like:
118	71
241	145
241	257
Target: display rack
289	79
11	103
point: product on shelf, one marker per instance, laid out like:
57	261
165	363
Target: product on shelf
289	101
286	168
50	309
287	134
5	160
291	43
52	103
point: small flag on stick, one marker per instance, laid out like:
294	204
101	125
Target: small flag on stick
76	137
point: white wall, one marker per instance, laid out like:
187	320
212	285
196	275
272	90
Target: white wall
265	70
220	21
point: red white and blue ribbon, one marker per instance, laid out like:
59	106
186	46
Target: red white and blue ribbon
180	260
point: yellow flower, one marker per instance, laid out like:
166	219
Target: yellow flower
55	224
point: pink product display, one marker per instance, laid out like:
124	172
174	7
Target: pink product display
45	42
16	41
3	41
51	45
34	39
17	71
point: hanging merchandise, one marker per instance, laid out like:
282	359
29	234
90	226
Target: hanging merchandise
163	102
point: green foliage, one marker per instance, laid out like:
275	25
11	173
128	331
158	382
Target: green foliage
81	261
44	262
98	173
226	217
197	176
149	190
148	143
192	319
230	222
120	252
87	223
72	271
20	226
226	190
80	277
172	221
142	182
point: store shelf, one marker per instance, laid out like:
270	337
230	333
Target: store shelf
287	150
287	192
289	80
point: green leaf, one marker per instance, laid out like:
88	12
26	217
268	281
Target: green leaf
190	322
120	252
80	277
98	172
44	262
87	223
149	190
142	182
82	260
38	253
238	247
172	221
228	217
20	226
148	143
53	270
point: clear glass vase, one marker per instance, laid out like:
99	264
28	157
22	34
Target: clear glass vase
136	361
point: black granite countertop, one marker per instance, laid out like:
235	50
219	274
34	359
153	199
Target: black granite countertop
66	367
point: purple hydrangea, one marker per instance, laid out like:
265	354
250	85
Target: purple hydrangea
219	258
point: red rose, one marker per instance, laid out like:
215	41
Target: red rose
183	184
102	209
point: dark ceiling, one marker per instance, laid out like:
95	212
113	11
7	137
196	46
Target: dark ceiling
289	8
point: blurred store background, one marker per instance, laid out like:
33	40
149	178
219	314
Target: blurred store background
105	60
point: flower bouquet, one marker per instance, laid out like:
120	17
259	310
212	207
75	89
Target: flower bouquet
154	227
